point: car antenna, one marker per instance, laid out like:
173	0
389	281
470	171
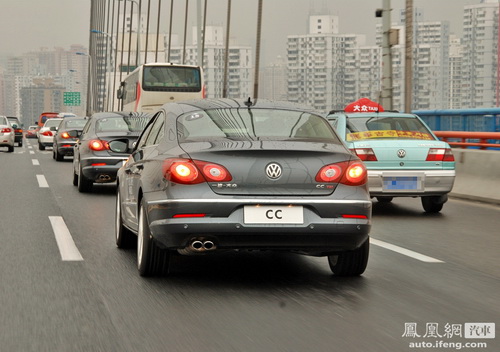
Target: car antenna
248	103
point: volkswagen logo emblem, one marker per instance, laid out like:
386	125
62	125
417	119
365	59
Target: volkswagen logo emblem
401	153
273	171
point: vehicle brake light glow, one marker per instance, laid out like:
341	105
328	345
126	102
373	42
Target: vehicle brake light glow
189	216
440	154
48	133
351	173
65	135
365	154
99	164
354	216
186	171
6	130
98	145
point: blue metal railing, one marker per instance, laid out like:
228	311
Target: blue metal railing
473	120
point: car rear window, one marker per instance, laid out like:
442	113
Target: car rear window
134	123
254	124
379	127
52	122
3	121
75	123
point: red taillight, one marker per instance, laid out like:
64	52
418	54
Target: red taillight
48	133
187	171
99	164
365	154
98	145
19	131
189	216
6	130
65	135
354	216
440	154
351	173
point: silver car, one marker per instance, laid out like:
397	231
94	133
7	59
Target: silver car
214	175
7	134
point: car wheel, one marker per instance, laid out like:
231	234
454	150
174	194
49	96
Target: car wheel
151	260
84	184
20	144
351	263
10	148
41	146
433	204
57	155
385	199
124	237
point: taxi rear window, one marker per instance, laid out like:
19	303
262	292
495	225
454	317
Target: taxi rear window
375	127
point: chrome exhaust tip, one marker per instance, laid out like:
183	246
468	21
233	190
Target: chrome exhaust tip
197	245
208	245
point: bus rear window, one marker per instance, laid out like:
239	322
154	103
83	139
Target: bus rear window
171	78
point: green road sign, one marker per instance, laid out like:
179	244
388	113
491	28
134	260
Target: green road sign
72	98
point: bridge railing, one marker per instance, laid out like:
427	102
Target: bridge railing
464	139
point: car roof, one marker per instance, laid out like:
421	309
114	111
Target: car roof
223	103
108	114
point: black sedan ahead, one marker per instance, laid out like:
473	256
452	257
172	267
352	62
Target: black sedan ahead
66	136
213	175
93	161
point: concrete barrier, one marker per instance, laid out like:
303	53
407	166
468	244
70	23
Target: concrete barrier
477	175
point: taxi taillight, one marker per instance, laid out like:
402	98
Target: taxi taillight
440	154
365	154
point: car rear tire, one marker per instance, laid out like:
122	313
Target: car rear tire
124	237
151	260
351	263
84	184
57	155
10	148
20	144
41	146
385	199
433	204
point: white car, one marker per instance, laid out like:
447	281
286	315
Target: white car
47	133
7	134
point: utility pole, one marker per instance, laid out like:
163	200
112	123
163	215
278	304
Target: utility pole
386	94
408	55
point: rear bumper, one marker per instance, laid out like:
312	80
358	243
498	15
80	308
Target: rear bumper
427	182
315	236
46	141
102	173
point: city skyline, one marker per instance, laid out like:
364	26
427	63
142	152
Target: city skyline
68	24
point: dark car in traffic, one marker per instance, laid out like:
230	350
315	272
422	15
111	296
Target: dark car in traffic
93	161
18	130
66	136
220	174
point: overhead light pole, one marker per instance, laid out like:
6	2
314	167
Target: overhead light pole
89	102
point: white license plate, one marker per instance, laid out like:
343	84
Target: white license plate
273	214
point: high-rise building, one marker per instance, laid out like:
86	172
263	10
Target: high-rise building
480	86
456	59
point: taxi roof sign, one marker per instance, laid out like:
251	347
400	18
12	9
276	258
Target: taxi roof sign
364	105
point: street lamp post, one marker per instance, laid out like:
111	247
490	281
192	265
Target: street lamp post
89	102
138	58
109	64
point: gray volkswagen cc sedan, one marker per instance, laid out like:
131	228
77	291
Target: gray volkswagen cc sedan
220	174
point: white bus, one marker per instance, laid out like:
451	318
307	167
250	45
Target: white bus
151	85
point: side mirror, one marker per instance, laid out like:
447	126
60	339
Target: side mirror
119	146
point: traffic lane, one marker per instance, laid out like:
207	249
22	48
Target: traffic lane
39	293
465	233
265	301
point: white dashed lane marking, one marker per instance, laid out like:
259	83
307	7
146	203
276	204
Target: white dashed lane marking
404	251
67	247
42	182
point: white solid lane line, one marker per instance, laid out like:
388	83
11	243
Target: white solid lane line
42	182
35	161
404	251
65	242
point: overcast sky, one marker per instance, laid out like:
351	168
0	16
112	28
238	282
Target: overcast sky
27	25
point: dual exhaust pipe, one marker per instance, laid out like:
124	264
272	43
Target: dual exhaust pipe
198	246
